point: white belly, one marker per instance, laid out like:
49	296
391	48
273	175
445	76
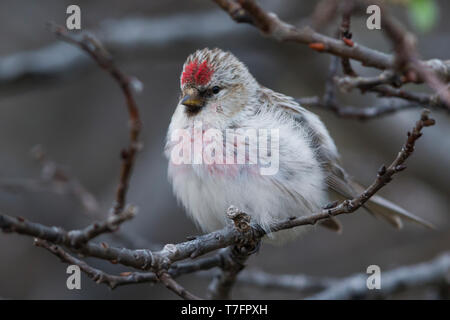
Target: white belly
296	189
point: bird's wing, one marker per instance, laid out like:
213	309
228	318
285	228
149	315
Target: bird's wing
291	107
339	183
332	223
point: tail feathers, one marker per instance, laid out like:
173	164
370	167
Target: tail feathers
392	213
343	187
332	224
389	211
392	219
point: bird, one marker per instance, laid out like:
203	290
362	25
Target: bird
219	99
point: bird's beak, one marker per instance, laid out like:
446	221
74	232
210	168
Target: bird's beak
193	101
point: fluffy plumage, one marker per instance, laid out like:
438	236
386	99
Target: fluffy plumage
308	159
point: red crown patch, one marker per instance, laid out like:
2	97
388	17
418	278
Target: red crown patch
200	74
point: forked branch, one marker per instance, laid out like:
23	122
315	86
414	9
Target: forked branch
163	260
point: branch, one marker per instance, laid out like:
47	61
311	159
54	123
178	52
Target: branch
351	112
72	239
97	275
161	260
329	100
140	258
270	25
294	282
346	36
235	11
407	59
174	286
375	84
434	272
433	72
234	257
355	286
54	179
96	50
126	278
372	84
110	224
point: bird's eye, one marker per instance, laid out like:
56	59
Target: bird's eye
215	90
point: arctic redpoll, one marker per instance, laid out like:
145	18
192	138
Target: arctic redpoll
231	141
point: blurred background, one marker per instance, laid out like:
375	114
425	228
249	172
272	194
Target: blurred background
52	95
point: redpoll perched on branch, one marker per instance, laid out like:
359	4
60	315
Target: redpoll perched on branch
232	141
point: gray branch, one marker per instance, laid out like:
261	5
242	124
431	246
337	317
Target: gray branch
435	272
293	282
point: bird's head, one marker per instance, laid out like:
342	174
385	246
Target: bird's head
216	84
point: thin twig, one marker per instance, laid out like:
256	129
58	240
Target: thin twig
346	36
56	180
351	112
108	225
347	83
407	58
174	286
97	275
96	50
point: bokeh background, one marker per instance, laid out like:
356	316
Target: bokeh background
78	115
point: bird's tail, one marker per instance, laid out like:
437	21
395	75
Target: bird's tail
389	211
